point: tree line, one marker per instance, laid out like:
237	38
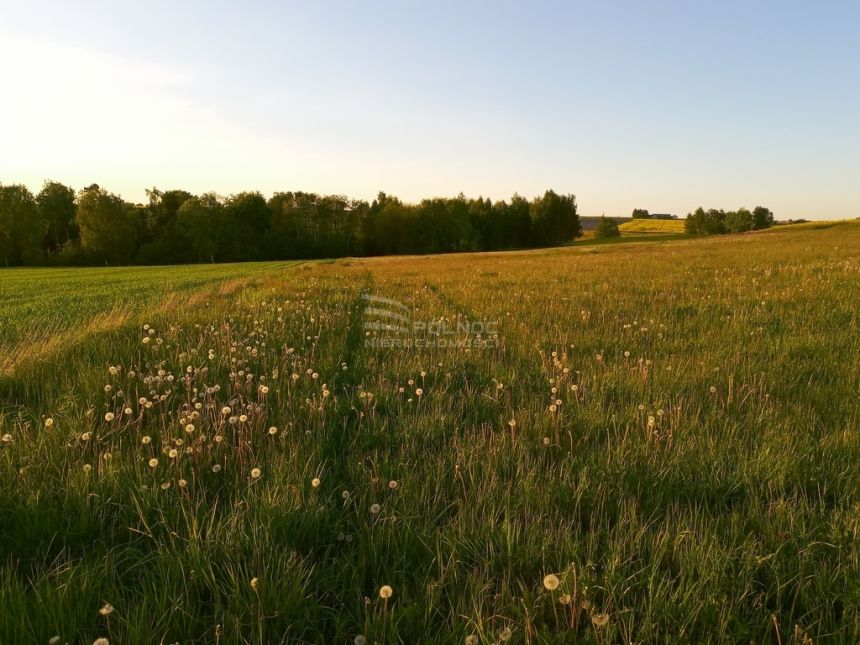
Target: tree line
717	222
59	226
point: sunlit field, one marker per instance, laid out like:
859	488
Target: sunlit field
652	227
650	442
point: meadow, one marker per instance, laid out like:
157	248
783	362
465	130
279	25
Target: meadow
645	443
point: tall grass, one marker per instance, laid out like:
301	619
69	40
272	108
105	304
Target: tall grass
671	431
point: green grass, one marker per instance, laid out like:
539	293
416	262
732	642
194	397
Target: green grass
698	484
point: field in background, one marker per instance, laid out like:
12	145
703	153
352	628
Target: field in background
656	442
652	227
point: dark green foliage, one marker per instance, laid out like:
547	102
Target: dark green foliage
176	227
762	218
640	213
716	222
21	227
56	204
606	228
109	226
739	221
554	219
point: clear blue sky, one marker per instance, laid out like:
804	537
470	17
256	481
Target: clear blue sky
659	105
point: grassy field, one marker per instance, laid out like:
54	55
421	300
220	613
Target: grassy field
615	443
652	227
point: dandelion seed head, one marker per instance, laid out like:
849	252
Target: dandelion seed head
551	582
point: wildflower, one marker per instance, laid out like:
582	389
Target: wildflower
553	407
273	430
86	436
49	422
565	599
551	582
393	484
315	482
146	440
226	410
216	468
254	583
713	389
182	483
153	462
189	428
264	389
255	473
600	620
109	417
375	508
107	610
419	392
385	592
127	410
345	494
173	453
87	468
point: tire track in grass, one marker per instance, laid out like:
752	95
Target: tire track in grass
531	379
313	531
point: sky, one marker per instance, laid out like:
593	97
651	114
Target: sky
659	105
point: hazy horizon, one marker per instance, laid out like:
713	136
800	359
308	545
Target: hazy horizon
665	107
